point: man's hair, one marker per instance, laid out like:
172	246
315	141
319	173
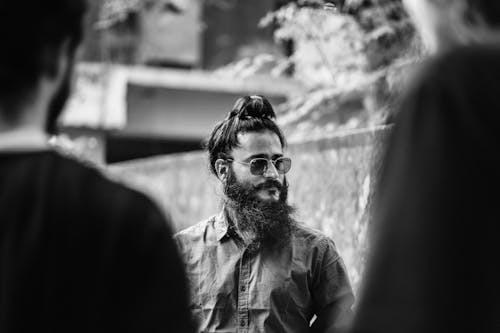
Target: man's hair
33	31
249	114
488	10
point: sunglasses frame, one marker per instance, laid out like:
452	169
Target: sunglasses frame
252	161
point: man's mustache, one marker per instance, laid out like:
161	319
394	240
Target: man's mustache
269	184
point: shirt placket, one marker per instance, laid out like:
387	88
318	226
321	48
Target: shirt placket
243	295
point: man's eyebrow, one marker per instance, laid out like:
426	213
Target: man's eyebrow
257	156
275	156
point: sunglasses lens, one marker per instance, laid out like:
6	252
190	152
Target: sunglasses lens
258	166
283	165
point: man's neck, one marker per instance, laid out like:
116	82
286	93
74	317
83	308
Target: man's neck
27	132
23	139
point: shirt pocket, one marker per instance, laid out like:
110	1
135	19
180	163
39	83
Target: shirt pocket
205	292
209	305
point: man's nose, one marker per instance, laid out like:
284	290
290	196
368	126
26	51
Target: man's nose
271	171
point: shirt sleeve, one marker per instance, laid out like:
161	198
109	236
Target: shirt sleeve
332	292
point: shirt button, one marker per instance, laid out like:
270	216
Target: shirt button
243	288
242	323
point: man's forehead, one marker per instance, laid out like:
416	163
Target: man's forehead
258	143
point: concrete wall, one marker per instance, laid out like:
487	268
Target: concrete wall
330	183
181	113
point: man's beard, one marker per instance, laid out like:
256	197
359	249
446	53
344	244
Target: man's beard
58	101
269	221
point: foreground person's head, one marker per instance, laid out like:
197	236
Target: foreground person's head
435	218
446	23
39	45
246	153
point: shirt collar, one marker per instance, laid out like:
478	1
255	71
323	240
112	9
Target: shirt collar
221	226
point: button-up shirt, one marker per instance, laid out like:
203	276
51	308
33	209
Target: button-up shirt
234	289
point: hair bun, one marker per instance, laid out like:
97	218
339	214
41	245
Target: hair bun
254	106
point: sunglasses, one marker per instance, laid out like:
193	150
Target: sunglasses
260	165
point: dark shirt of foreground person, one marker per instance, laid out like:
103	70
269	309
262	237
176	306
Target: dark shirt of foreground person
79	253
435	264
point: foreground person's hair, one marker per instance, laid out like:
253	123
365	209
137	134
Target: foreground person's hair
33	33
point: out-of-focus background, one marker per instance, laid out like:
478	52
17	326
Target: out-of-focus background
156	75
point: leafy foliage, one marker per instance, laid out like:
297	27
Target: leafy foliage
352	57
113	11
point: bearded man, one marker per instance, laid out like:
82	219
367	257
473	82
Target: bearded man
252	267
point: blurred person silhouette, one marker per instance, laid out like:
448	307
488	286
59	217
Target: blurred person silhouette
78	252
434	264
253	267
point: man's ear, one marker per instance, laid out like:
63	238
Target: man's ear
222	168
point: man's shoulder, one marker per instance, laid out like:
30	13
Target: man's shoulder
312	237
84	172
102	193
194	232
315	244
304	231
